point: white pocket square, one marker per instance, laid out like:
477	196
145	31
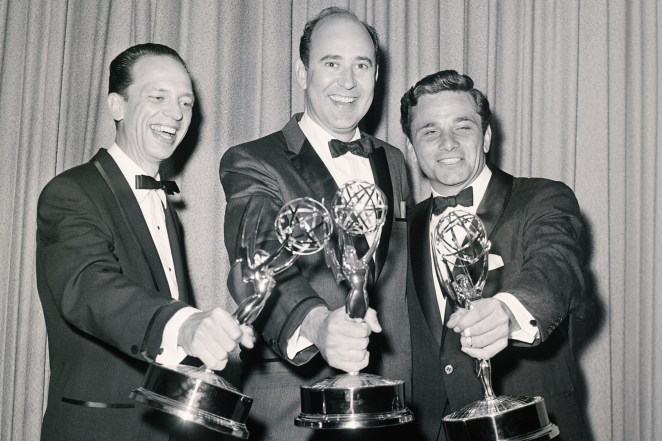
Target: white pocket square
494	261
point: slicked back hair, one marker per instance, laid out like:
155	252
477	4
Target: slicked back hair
439	82
121	68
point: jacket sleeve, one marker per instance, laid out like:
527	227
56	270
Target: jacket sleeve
550	279
254	196
88	274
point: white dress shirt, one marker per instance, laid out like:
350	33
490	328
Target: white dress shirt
152	204
343	169
527	333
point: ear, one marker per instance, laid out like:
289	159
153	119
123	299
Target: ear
376	72
116	105
487	139
301	73
410	151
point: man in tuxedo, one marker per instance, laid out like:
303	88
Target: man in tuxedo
110	265
306	333
535	267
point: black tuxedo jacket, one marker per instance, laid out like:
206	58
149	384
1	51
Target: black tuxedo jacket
106	301
534	225
259	177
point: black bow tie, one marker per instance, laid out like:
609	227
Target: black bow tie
145	182
464	198
361	147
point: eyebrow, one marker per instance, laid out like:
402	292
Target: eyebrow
367	60
465	118
425	126
166	90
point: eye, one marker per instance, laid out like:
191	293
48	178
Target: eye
186	104
363	66
332	64
157	98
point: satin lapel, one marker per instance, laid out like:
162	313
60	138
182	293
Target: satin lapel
495	199
311	168
174	237
421	266
132	215
382	175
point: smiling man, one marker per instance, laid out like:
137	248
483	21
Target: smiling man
535	267
110	268
306	334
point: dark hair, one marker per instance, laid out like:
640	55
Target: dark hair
305	42
438	82
121	67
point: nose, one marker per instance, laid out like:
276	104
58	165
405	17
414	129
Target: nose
448	141
173	110
346	78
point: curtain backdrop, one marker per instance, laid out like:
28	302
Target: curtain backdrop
575	90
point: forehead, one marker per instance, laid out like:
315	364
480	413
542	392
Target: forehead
161	71
341	35
445	104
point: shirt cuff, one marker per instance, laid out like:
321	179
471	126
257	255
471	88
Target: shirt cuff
297	343
171	354
526	333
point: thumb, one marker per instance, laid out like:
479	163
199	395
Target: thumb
372	321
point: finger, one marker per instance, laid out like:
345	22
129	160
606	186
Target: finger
342	345
487	352
372	320
469	337
456	317
227	323
467	341
218	365
213	359
469	319
495	322
353	366
225	342
248	336
351	328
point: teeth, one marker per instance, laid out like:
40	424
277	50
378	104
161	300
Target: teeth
450	161
165	129
342	99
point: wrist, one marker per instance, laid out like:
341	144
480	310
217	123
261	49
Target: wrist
312	324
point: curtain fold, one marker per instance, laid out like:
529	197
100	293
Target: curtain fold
575	91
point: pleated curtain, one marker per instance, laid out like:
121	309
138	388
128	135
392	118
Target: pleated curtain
575	91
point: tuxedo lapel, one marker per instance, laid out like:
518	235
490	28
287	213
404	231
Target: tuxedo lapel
421	266
311	168
382	176
495	199
133	217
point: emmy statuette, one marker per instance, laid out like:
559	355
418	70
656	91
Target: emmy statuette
354	400
197	394
461	251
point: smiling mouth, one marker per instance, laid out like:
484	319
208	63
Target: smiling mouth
164	132
342	99
449	161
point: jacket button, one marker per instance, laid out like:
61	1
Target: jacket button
134	349
448	369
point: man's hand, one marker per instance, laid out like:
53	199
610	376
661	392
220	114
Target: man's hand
342	341
484	328
211	335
